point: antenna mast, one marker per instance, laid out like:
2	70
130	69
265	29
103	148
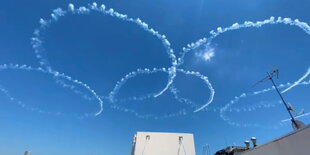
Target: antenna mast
270	76
206	150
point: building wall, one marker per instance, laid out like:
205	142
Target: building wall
153	143
296	143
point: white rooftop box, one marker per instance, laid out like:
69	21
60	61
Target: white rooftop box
157	143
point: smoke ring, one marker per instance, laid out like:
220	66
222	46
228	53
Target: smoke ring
244	95
37	41
120	84
55	74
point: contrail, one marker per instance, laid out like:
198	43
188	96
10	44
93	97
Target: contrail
181	112
247	24
37	41
227	107
261	104
54	74
29	108
299	116
130	75
298	81
180	99
207	82
37	44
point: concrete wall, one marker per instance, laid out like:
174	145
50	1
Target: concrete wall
295	143
153	143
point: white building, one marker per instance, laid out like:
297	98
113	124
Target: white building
157	143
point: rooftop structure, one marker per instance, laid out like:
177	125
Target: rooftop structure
27	153
157	143
296	142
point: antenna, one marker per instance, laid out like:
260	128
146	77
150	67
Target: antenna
270	76
206	150
27	153
275	72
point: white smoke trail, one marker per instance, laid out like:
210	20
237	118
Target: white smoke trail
181	112
56	75
37	42
115	105
172	89
206	80
227	107
298	81
130	75
299	116
132	98
155	70
177	97
74	89
247	24
25	106
261	104
120	84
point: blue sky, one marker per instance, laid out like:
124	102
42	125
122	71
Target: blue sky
46	113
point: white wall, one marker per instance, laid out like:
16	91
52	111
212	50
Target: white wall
296	143
163	144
